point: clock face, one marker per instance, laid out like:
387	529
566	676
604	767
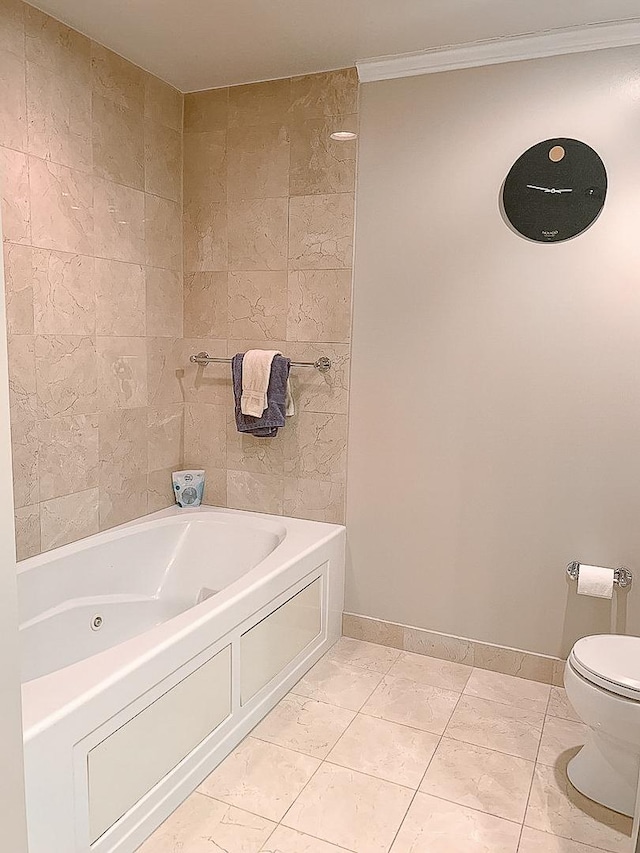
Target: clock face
555	190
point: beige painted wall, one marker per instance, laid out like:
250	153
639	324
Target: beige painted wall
90	164
495	402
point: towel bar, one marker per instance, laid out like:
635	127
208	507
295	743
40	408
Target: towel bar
322	364
623	577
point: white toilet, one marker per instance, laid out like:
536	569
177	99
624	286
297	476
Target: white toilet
602	680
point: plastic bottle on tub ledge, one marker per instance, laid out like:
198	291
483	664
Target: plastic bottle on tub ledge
188	487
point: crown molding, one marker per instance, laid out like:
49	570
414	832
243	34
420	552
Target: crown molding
496	51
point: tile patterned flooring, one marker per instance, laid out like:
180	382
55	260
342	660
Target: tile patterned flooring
376	750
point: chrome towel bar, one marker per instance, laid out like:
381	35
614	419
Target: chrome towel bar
322	364
622	576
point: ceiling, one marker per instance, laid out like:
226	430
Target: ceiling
202	44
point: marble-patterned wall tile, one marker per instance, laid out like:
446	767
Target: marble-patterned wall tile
442	646
162	232
255	492
23	394
61	207
205	167
68	518
257	455
59	117
67	455
205	237
66	374
206	110
258	234
120	298
119	222
235	345
13	104
314	391
209	383
162	160
165	370
117	79
79	124
333	93
162	103
205	436
16	198
64	298
122	373
205	304
320	164
557	675
24	452
27	531
18	286
372	630
316	447
528	665
238	148
164	302
123	466
165	436
319	305
257	104
215	487
257	305
55	46
12	29
321	231
258	162
160	493
513	662
118	143
314	499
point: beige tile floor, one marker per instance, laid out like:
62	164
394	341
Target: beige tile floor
378	750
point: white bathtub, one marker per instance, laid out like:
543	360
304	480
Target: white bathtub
150	650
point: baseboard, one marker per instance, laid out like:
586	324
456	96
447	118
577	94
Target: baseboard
503	659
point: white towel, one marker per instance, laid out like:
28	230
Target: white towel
256	371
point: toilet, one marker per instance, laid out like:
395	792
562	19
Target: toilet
602	680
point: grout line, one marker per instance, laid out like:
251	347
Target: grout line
506	704
466	806
298	795
334	763
488	748
417	791
533	775
308	835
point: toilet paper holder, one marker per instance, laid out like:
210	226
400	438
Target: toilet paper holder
622	576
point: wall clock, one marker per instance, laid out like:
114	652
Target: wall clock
555	190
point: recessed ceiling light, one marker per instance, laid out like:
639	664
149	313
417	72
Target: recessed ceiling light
343	135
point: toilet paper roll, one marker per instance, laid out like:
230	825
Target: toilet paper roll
595	580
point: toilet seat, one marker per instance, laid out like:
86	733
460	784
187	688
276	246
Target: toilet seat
610	661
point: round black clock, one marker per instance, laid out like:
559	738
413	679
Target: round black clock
555	190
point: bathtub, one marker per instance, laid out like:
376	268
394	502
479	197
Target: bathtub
150	650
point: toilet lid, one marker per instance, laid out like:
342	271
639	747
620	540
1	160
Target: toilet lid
611	661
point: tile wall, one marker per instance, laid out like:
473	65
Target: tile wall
91	164
104	402
268	245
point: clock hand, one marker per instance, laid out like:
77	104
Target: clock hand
547	189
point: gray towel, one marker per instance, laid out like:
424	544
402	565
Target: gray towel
273	416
